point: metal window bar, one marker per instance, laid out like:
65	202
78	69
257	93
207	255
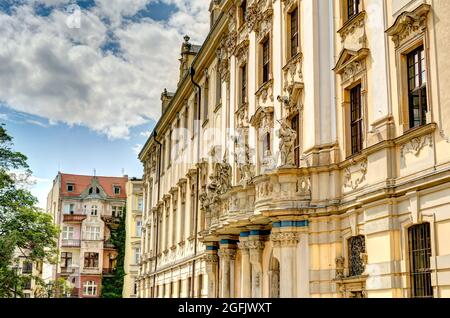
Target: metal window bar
420	253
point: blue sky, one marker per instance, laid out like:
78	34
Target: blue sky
80	81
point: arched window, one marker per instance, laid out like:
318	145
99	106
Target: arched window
419	259
90	288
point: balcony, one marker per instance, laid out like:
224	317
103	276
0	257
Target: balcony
67	270
108	271
111	221
108	244
71	243
74	218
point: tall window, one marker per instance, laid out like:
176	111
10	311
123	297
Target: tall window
265	60
167	228
293	17
90	288
67	232
419	258
94	210
140	204
138	228
356	120
417	88
266	143
192	212
27	267
174	220
92	233
200	286
169	150
183	211
296	127
70	187
218	87
137	255
352	8
69	208
66	260
179	288
356	247
206	100
243	11
116	211
90	260
243	84
163	152
189	282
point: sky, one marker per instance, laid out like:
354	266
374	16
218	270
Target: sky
80	81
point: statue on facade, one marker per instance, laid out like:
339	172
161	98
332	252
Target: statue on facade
287	144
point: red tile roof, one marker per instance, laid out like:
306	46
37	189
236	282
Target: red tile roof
83	182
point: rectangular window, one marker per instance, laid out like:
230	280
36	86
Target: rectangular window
218	87
67	233
94	210
70	187
293	16
296	127
169	150
419	258
90	288
266	61
66	260
200	286
27	267
137	255
92	233
243	11
140	204
163	152
90	260
417	88
116	190
27	283
243	84
356	121
352	8
138	228
69	208
206	100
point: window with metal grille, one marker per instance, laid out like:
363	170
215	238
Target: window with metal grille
243	84
352	8
417	88
419	258
266	60
356	120
356	248
294	31
296	127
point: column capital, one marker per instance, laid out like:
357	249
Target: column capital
285	238
211	259
227	253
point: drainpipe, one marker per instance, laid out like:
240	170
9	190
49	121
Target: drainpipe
154	135
192	74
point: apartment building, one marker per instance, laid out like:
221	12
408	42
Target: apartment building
305	152
87	209
133	223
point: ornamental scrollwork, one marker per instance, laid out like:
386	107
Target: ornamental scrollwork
354	183
285	238
416	145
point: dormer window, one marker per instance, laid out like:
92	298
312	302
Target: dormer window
70	187
116	190
91	190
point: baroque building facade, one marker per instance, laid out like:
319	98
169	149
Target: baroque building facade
304	153
86	209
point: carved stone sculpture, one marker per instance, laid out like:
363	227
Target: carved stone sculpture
287	143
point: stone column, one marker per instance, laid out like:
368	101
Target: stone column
285	246
246	272
227	256
212	260
256	249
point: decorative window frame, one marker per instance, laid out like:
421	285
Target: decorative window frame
416	217
409	32
352	67
289	7
345	20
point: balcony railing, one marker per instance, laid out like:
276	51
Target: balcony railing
108	271
71	243
108	244
67	270
75	218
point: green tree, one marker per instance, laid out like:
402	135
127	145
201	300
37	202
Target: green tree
112	287
24	228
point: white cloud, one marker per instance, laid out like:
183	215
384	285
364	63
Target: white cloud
63	75
143	133
5	117
137	149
